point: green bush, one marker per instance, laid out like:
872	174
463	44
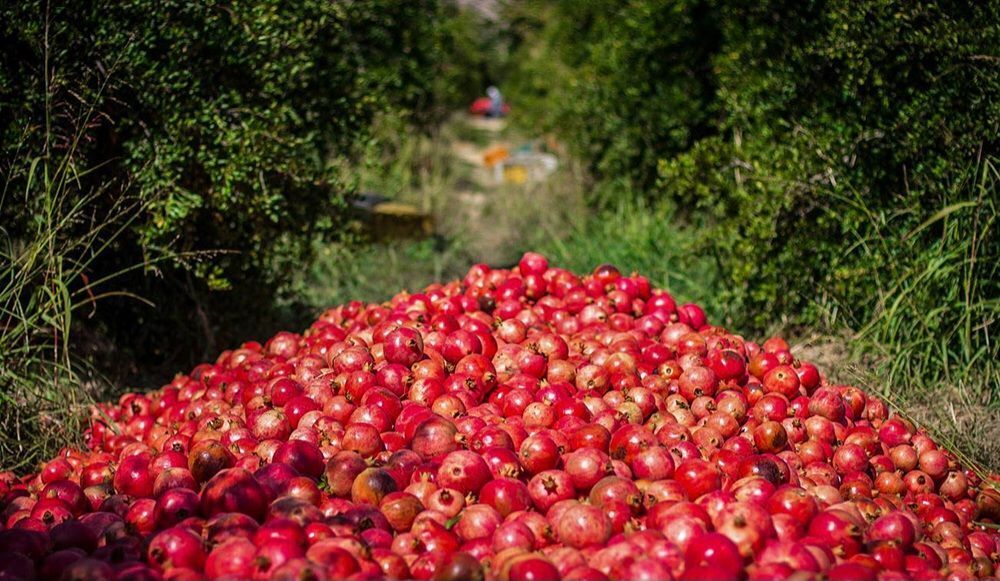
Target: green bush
836	158
223	116
627	82
229	122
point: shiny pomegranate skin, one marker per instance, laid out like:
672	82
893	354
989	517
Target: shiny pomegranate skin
523	423
506	495
175	548
133	477
716	550
233	490
698	477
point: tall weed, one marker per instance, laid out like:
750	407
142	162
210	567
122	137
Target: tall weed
55	227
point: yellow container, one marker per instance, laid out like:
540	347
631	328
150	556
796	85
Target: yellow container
395	220
515	174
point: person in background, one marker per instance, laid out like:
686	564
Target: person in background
496	102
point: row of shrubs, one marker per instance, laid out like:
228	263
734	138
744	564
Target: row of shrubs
168	166
836	159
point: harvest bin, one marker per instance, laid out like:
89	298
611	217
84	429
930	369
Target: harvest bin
387	220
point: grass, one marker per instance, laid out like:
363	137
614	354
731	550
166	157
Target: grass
373	273
929	346
44	289
936	300
51	239
400	163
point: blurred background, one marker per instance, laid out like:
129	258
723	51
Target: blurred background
182	176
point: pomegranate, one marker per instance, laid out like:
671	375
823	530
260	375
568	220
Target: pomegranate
524	423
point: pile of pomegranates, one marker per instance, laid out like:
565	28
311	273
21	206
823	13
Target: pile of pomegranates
523	424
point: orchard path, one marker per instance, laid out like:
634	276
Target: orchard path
496	219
